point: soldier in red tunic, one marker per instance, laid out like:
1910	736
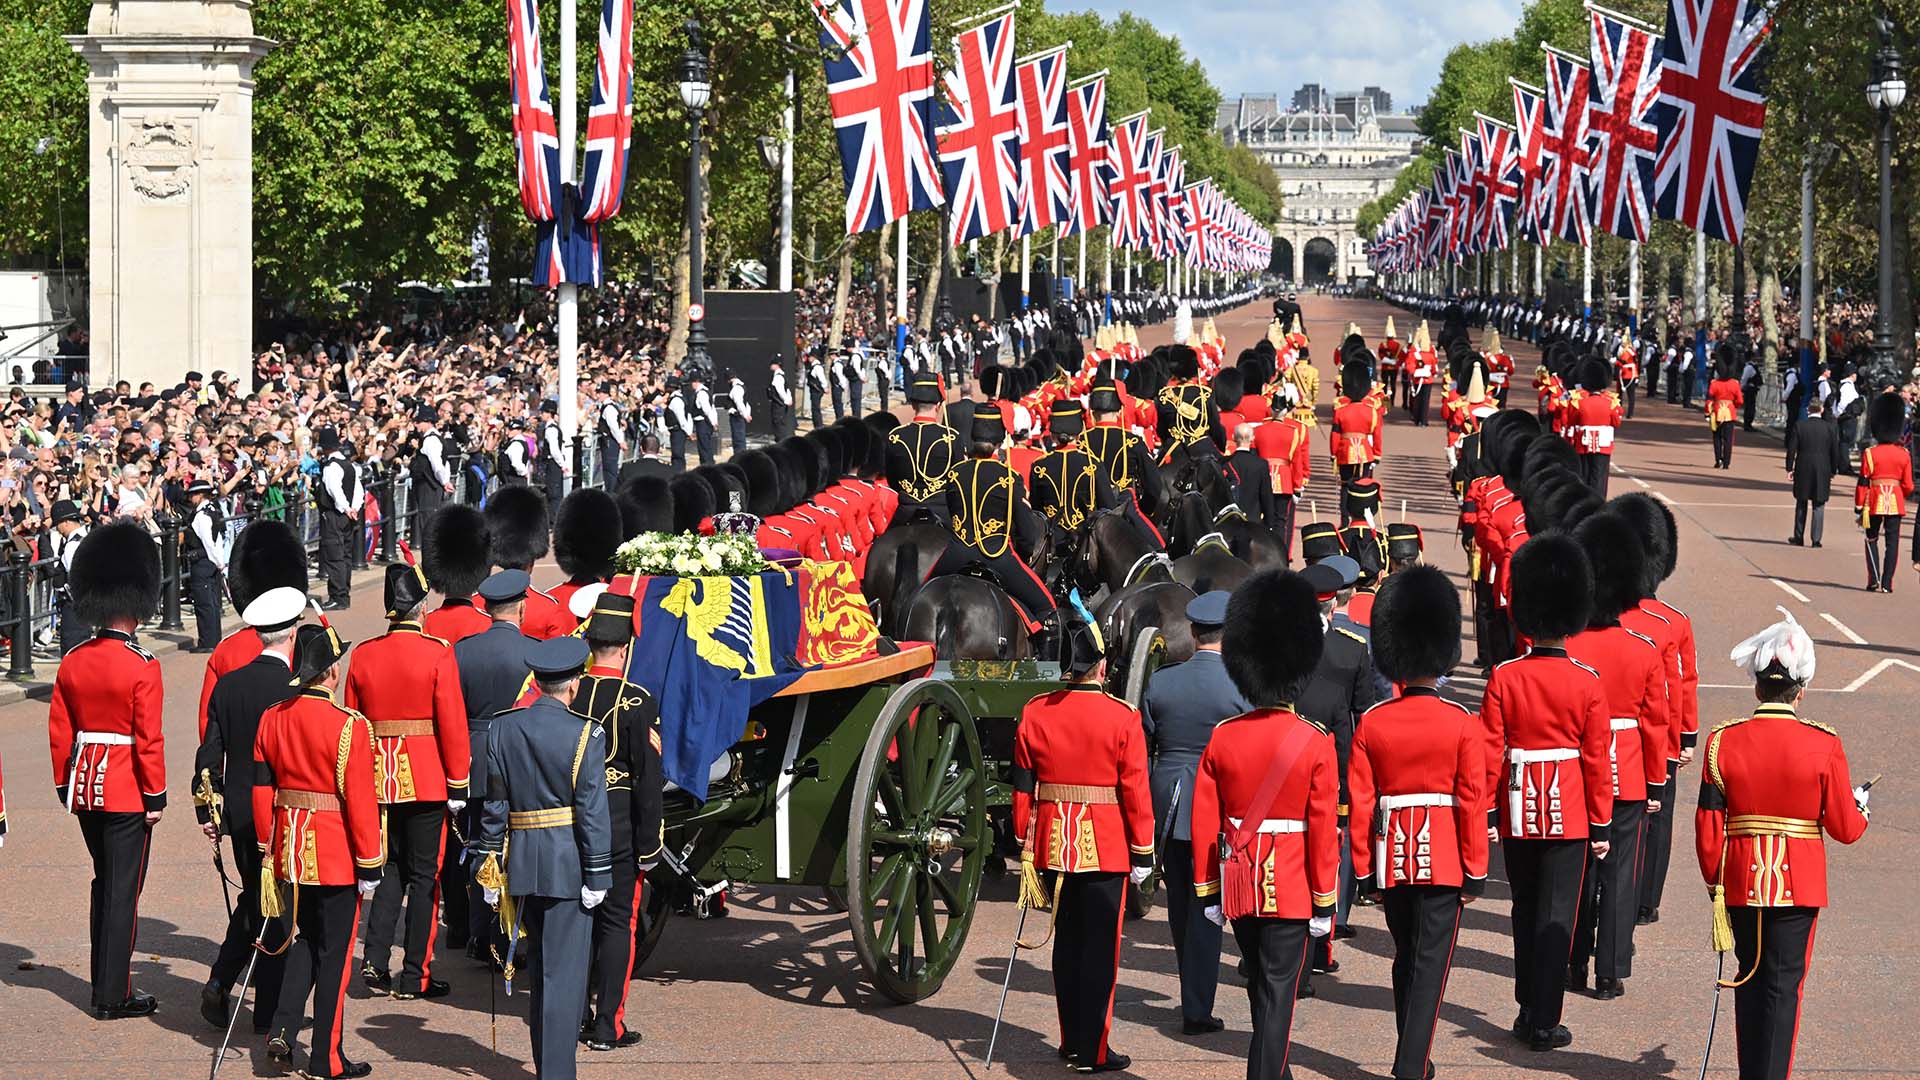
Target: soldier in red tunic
586	532
1591	422
1634	678
408	687
266	555
1545	716
1354	438
456	560
1418	781
1085	818
517	526
1266	790
1724	398
109	756
315	805
1886	481
1773	783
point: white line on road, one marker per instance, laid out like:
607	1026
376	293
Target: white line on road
1859	680
1665	498
1643	484
1791	591
1844	629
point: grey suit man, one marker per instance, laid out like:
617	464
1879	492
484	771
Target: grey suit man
1183	704
559	864
1815	452
493	670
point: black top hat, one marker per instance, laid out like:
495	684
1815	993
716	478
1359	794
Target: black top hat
1319	540
316	648
406	588
610	622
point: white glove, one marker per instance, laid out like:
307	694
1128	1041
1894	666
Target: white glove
1860	795
491	896
1214	916
590	898
454	806
367	887
1139	874
1320	926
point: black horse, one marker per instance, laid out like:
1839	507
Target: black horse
966	618
1126	613
899	560
1255	545
1110	554
1212	565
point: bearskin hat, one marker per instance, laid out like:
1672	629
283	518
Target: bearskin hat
1416	625
879	426
1547	450
1183	362
812	464
990	377
1503	442
1272	640
1658	531
1886	417
458	552
1356	380
1726	362
646	505
834	449
763	483
517	519
1552	587
693	501
1566	507
266	555
1618	560
728	489
1255	373
793	478
115	575
855	438
586	531
1351	347
1228	388
1595	374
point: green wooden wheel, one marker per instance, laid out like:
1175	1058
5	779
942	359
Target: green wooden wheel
1149	655
917	840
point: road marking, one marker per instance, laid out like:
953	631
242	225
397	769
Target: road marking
1643	484
1791	591
1844	629
1859	681
1665	498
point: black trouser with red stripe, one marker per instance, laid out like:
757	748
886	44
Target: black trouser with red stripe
1656	842
321	961
1130	506
1723	444
1883	529
1086	961
1610	898
1424	921
1766	1008
416	839
615	920
1276	958
119	843
243	928
1546	877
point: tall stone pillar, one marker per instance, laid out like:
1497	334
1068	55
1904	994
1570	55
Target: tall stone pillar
170	196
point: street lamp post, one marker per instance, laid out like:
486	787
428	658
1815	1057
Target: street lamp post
1887	92
696	89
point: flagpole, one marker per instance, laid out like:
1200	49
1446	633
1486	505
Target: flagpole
786	188
1080	269
1129	272
1107	282
1586	279
1026	268
568	326
900	273
1053	266
1633	283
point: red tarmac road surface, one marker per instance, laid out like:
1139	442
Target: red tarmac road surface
775	990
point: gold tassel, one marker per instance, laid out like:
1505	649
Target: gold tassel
270	907
1032	895
1722	924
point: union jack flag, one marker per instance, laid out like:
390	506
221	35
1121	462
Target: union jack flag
1502	190
1131	178
1193	225
610	117
1087	124
1711	113
980	133
879	66
1530	112
1045	189
567	242
1154	225
1170	225
1474	156
1460	214
1439	213
1626	85
536	138
1567	155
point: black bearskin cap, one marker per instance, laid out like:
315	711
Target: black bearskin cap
833	449
763	483
793	479
586	531
1272	640
855	444
693	501
1356	380
115	575
1659	532
879	426
1565	508
990	378
811	463
458	552
1595	375
517	518
646	505
1228	388
1255	373
1416	625
1183	362
1544	451
266	555
1618	560
1352	347
1552	587
725	485
1886	417
1503	442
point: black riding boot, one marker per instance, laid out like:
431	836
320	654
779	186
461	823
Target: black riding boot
1046	640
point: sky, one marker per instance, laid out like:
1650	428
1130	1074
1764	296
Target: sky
1269	46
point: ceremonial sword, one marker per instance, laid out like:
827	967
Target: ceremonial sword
246	977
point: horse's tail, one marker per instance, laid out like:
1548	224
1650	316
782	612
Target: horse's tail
906	579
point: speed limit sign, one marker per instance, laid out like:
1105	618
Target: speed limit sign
696	312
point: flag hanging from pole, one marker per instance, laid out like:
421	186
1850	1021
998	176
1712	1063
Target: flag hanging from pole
1044	149
1529	112
1711	113
1626	86
879	66
1130	178
1087	159
979	128
1567	153
1502	191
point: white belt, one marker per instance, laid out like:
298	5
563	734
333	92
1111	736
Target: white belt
1624	723
1390	803
1529	757
1275	825
102	738
1594	435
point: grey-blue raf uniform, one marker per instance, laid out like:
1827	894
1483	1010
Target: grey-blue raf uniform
545	818
1183	704
493	671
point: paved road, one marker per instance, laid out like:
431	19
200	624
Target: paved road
775	990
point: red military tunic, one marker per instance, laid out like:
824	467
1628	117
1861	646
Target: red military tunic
313	765
408	687
1591	422
1296	852
1419	366
1499	371
1417	777
1389	354
1724	398
455	621
543	617
1683	694
234	652
104	727
1886	480
1283	444
563	596
1254	408
1545	716
1635	683
1080	798
1355	435
1773	783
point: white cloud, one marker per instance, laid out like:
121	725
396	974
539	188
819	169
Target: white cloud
1249	46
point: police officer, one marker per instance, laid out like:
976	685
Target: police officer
631	718
679	421
817	381
779	400
69	528
739	413
206	562
223	797
314	789
855	365
1417	775
515	460
706	418
992	523
1183	704
547	787
1084	815
109	756
1266	788
921	454
431	482
341	500
841	361
1068	485
408	686
554	464
611	437
493	668
1773	783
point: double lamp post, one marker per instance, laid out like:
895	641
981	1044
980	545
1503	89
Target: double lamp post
1887	92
